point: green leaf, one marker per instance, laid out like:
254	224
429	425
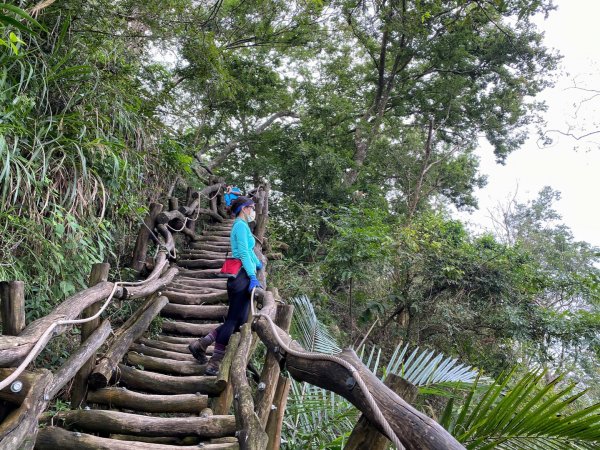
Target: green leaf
526	413
59	229
22	13
15	23
14	38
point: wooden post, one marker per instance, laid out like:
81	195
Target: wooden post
262	212
13	307
173	203
251	435
141	244
364	434
222	403
275	421
271	370
98	274
188	195
221	200
190	224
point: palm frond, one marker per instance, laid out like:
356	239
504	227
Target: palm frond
421	367
309	331
530	414
317	416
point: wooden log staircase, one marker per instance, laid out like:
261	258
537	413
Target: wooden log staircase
159	396
144	390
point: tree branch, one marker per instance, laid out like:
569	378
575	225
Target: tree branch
232	145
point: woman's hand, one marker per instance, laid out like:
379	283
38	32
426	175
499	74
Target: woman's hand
254	283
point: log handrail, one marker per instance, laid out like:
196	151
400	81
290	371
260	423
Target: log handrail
384	409
46	335
24	347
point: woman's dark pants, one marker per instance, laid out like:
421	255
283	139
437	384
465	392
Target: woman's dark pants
239	305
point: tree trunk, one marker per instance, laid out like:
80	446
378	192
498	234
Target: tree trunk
141	245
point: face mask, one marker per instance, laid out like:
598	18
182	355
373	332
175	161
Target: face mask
251	216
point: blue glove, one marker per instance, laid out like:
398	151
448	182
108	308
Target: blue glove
259	265
254	283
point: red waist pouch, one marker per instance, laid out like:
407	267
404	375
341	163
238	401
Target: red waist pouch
231	268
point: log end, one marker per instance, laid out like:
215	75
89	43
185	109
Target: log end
97	381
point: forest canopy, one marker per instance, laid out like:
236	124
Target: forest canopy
363	115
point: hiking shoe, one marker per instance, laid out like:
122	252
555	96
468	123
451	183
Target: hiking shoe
214	363
198	351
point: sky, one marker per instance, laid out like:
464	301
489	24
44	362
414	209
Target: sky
568	165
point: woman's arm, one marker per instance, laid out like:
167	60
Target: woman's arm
240	234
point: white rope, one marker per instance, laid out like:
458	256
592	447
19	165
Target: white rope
45	338
324	357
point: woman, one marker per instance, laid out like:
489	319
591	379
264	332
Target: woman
238	288
231	193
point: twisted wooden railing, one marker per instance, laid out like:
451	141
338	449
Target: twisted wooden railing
146	391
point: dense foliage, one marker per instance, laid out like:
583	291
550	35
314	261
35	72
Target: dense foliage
364	116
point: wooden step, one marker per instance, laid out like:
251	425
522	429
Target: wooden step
95	420
216	233
216	253
159	383
166	354
206	298
201	263
226	227
188	329
209	238
175	339
199	274
194	290
212	246
202	254
54	438
223	243
166	366
168	346
171	440
217	283
118	397
198	312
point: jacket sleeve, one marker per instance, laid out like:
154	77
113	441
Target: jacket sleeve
240	234
256	260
